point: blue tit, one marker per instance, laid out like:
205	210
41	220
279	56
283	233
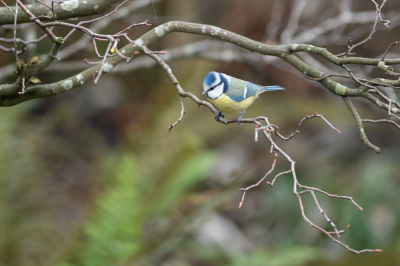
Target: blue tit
230	94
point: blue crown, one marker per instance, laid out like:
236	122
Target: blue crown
210	78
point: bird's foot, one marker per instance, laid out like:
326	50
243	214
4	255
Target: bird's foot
218	115
238	119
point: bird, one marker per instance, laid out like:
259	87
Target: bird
230	95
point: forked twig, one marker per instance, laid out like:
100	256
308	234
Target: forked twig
266	130
311	190
297	131
378	17
271	184
259	182
360	126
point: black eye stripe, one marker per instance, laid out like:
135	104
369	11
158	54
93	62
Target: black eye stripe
215	86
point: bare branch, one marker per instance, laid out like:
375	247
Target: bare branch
360	126
15	33
378	13
271	184
378	16
298	127
259	182
381	121
304	64
180	118
311	190
73	10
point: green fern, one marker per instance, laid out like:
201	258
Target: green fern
114	236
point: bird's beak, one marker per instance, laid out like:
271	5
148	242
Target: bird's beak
204	92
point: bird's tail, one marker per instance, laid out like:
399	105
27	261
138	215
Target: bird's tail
273	88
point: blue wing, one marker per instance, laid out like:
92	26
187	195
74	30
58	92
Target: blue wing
250	90
238	90
253	89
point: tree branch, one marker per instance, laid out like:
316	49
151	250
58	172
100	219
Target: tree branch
283	51
11	94
360	126
65	10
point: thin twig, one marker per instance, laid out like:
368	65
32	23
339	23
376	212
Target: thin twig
298	127
180	118
155	14
9	9
389	111
96	80
308	190
378	12
259	182
381	121
327	76
387	50
271	184
378	17
324	213
15	32
356	79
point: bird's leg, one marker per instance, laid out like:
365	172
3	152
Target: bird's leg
238	119
218	115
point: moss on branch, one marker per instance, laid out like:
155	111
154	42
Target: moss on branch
63	11
286	52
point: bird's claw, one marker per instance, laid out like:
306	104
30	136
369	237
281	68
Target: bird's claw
218	115
238	121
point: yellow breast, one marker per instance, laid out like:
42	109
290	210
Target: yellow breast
227	105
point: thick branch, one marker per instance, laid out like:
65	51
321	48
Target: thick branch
68	9
283	51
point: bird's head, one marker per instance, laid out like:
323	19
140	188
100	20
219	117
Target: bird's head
213	86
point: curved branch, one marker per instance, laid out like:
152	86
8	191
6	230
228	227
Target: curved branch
360	126
282	51
67	9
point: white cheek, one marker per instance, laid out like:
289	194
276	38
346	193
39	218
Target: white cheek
216	92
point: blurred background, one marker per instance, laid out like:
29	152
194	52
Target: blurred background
90	177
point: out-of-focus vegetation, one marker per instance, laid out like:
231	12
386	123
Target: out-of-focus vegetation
91	178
